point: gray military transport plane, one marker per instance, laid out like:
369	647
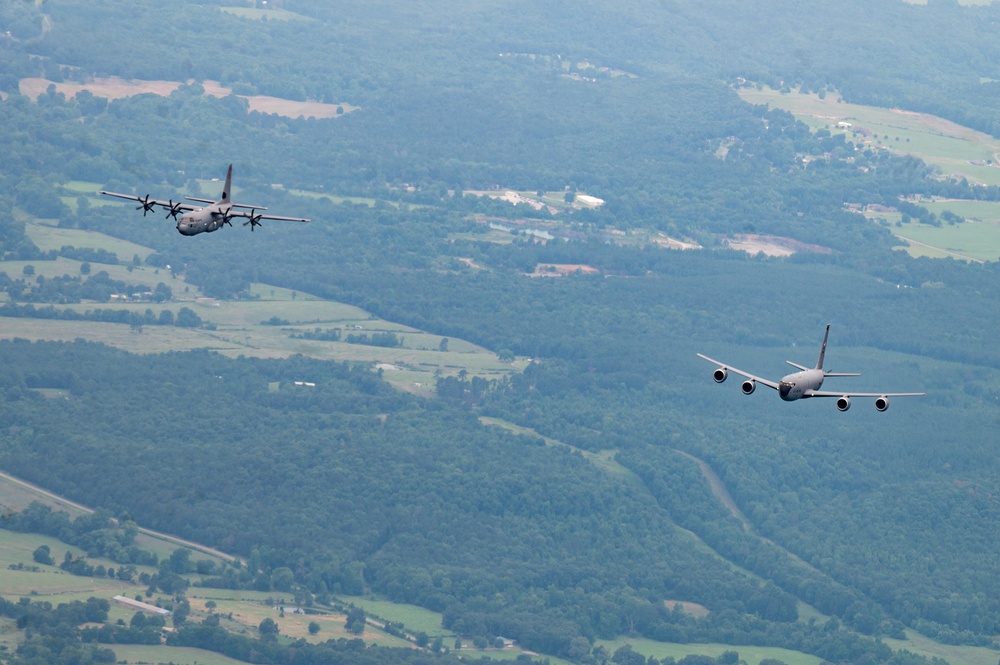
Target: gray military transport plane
805	383
208	218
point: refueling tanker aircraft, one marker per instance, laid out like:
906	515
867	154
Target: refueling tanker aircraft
804	383
208	218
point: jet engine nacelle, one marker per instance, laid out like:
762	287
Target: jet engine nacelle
881	403
749	386
720	375
843	403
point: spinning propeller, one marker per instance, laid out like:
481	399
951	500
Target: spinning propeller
254	219
146	205
175	209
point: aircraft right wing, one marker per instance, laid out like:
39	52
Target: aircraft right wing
851	393
148	204
250	215
724	369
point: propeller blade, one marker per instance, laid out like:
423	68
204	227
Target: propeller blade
145	205
175	209
254	219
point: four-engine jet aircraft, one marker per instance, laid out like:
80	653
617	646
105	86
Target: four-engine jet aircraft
804	383
205	219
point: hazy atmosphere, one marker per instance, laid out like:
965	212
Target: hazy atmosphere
423	384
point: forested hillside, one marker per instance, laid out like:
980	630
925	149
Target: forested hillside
880	522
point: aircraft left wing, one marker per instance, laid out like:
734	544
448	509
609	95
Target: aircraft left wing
148	204
720	376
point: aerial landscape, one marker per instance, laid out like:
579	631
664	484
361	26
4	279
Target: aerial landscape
458	413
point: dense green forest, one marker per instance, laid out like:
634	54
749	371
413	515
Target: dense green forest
879	521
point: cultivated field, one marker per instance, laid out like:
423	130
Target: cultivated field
958	151
977	239
114	87
242	327
752	655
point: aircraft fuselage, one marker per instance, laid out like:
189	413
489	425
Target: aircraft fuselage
794	386
202	220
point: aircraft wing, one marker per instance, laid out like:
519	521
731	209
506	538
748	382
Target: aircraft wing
250	215
848	393
753	377
148	203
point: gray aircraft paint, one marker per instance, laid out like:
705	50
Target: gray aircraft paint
805	383
192	220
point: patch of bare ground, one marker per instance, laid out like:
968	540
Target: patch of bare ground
672	243
691	609
115	88
562	269
752	243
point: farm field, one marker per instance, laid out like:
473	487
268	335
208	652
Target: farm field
272	325
958	151
971	241
751	655
114	87
976	239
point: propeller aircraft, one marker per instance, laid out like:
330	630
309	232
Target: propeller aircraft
192	219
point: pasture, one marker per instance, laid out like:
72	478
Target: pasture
275	323
414	619
957	655
47	236
114	87
958	151
750	654
271	14
976	239
136	654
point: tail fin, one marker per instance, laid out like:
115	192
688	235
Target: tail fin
229	182
822	351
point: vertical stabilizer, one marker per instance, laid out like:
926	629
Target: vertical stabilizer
229	182
822	351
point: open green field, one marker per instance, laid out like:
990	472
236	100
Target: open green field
958	151
242	611
253	12
956	655
975	239
240	326
48	236
414	619
971	241
752	655
135	654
